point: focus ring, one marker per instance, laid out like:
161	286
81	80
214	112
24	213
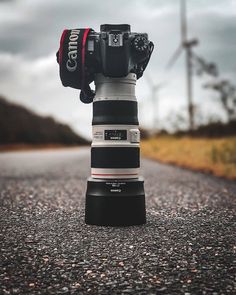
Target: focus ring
115	112
115	157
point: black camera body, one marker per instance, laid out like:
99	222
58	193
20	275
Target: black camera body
114	52
117	52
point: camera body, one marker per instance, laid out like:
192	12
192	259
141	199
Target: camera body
116	52
114	59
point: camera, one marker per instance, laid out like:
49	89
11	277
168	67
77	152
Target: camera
117	51
114	59
114	52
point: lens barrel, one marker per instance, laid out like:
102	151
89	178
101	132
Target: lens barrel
115	192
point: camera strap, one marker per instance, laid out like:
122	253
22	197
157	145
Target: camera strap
71	57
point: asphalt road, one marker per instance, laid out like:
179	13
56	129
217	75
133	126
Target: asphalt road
187	246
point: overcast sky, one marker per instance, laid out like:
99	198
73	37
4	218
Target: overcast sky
29	38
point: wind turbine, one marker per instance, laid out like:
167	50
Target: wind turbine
186	45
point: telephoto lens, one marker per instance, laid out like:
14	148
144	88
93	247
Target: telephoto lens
115	192
114	59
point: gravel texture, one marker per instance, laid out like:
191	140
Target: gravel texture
187	246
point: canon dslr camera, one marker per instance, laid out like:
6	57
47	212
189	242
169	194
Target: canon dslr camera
114	59
114	52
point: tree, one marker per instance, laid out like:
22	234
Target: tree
227	96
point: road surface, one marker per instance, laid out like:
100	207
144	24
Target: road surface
187	246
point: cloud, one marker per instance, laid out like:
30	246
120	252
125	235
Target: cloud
36	85
35	27
30	33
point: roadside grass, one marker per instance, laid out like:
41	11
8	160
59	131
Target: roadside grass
216	156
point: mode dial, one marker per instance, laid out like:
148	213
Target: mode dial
140	43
